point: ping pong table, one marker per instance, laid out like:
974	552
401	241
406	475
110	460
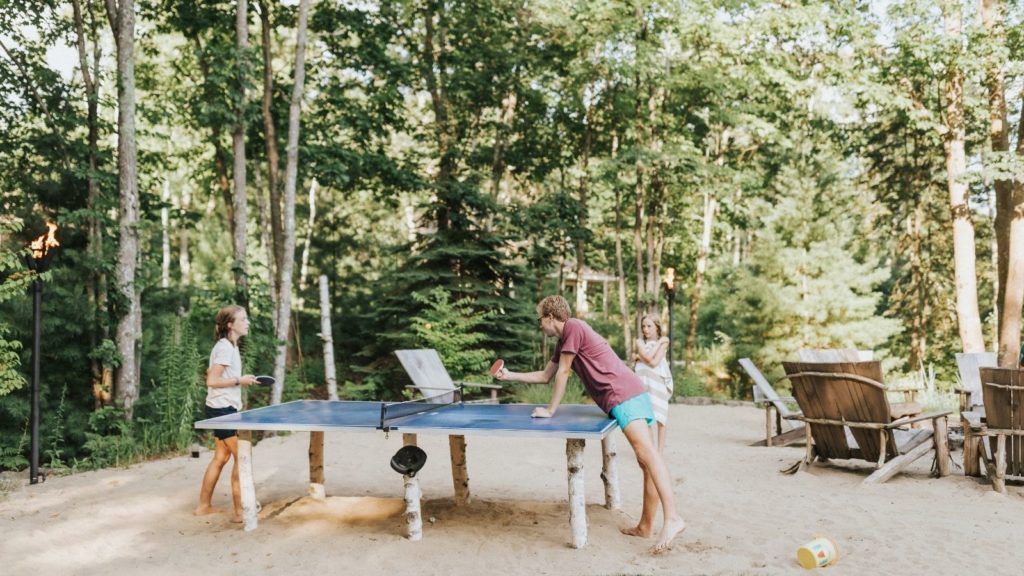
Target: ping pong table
573	423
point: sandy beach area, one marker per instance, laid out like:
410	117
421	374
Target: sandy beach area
744	516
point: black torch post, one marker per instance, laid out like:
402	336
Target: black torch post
43	249
670	293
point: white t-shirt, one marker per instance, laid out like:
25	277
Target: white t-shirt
226	354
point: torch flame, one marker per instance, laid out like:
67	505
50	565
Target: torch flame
40	246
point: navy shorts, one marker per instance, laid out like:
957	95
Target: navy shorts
213	413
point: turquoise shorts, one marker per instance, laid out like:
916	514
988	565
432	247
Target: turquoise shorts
635	408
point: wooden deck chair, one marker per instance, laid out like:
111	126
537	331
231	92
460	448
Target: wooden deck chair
765	395
1003	392
967	364
848	417
431	378
909	406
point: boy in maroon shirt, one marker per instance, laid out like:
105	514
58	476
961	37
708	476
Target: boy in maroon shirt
620	393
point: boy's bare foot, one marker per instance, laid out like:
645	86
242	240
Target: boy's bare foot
669	531
637	531
236	519
204	509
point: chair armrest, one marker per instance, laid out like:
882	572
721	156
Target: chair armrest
928	416
973	419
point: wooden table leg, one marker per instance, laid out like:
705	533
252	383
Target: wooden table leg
245	478
972	446
577	496
413	514
316	465
460	475
610	474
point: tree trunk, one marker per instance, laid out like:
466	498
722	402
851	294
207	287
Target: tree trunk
266	243
1009	225
290	177
326	336
273	157
627	337
304	267
96	286
956	167
710	206
238	148
184	263
581	248
122	23
165	234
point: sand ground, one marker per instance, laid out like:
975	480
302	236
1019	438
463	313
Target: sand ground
744	516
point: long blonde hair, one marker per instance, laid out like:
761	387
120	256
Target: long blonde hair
222	323
655	319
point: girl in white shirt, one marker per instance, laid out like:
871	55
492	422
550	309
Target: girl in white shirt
652	367
224	381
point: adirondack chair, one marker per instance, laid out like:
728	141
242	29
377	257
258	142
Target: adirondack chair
431	378
1003	392
766	396
905	408
848	417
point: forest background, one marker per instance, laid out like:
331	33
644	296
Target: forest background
816	174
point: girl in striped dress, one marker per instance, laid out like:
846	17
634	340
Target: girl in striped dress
653	369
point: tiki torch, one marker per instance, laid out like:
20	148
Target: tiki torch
670	292
43	249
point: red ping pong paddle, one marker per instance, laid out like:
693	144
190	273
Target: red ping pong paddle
497	366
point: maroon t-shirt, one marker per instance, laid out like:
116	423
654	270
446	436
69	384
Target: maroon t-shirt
606	378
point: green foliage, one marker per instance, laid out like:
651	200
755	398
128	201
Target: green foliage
453	329
173	404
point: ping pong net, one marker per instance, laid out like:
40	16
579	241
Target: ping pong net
392	412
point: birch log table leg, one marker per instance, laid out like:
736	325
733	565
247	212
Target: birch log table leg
577	495
413	515
460	475
246	484
610	474
316	466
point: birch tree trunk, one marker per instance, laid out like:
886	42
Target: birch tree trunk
165	234
956	168
238	147
304	267
122	24
710	206
290	177
327	337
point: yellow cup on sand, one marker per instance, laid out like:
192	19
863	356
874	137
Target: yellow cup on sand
817	553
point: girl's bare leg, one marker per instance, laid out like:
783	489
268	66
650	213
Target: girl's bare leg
221	455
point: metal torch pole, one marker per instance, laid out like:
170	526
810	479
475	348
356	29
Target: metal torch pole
37	305
671	299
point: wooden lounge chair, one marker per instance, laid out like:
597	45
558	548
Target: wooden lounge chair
848	416
765	395
1003	392
431	378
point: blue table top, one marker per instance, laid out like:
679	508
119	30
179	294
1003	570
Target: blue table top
571	420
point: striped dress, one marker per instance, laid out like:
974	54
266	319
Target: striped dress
657	381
